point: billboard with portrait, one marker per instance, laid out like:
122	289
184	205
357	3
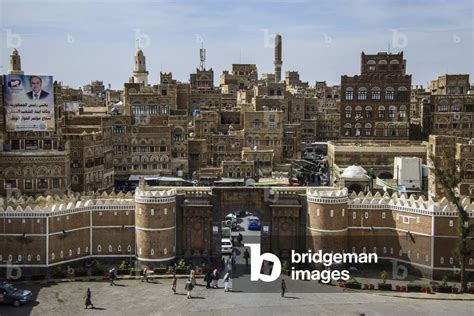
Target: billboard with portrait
28	102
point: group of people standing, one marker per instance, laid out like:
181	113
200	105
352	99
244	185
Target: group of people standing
211	278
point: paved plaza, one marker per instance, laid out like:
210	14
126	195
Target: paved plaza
133	297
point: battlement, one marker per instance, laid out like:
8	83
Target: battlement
69	208
330	195
401	202
154	195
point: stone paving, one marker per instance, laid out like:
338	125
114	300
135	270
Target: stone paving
133	297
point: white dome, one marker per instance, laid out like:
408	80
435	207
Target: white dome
354	172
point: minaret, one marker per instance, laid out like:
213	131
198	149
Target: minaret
278	62
140	74
15	63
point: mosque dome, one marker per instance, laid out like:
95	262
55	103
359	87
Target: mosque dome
354	172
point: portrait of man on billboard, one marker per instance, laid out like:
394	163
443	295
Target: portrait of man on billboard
36	93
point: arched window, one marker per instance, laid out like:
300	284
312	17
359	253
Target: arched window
349	94
379	129
391	111
348	112
362	94
358	112
347	129
394	65
368	111
358	129
381	112
403	130
456	107
402	93
403	112
257	124
443	106
375	93
392	131
389	94
371	65
368	129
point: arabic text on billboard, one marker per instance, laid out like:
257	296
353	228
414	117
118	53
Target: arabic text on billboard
29	103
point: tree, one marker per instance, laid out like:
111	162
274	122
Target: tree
449	173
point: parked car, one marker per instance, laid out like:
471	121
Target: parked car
11	295
254	223
226	246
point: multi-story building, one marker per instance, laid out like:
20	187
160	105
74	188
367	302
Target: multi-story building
376	103
440	148
33	161
450	109
95	87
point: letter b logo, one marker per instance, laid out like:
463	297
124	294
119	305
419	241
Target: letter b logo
256	261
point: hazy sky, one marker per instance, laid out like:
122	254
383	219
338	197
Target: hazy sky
78	41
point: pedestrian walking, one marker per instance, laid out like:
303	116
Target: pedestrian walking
192	276
239	239
215	277
112	276
283	288
208	279
222	263
229	264
246	257
175	282
226	282
89	299
189	287
234	257
145	274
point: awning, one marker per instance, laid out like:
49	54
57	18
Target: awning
229	180
136	177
